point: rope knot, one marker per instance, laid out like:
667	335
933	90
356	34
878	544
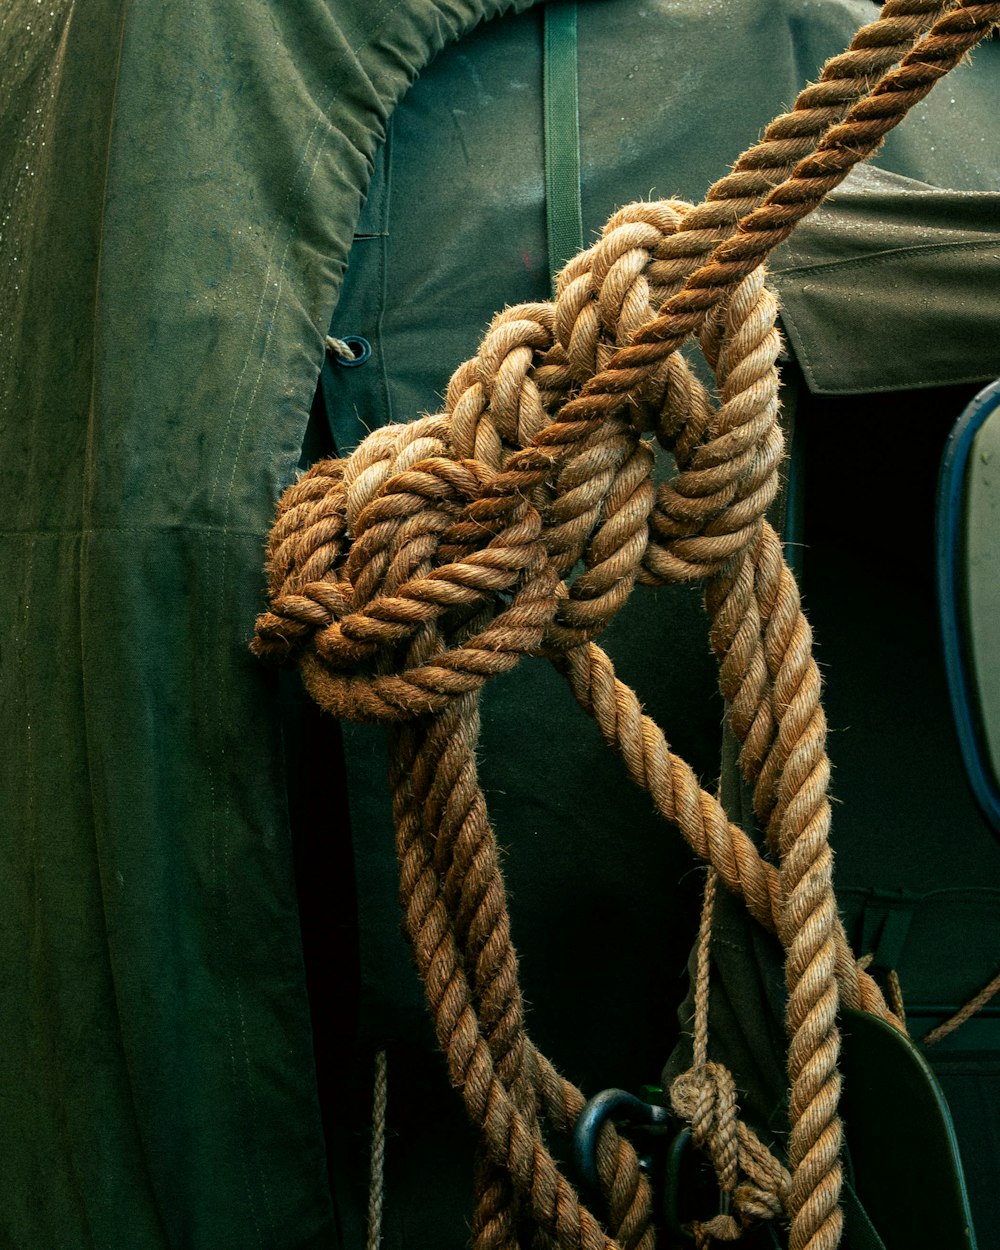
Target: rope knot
705	1096
753	1183
435	555
382	568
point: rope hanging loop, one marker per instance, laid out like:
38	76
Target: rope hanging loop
440	552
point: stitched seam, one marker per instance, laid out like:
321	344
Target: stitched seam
93	531
888	255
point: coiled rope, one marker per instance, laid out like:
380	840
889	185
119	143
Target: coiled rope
433	558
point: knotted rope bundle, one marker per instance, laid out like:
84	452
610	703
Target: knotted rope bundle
439	553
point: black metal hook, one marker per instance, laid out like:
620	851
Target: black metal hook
609	1104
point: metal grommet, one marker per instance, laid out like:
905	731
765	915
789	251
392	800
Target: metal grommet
350	351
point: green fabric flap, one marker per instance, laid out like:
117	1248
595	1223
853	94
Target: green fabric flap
179	185
886	923
943	944
908	1174
894	285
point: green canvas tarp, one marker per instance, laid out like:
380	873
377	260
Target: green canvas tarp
180	190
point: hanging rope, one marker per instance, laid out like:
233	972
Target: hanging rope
376	1164
439	553
753	1184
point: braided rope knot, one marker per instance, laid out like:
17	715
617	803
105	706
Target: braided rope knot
755	1185
469	522
402	537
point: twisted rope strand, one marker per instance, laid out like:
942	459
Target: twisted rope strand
964	1013
793	135
376	1166
760	230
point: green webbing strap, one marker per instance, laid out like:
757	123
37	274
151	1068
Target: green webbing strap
563	211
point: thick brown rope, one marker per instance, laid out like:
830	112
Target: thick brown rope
386	574
384	570
794	135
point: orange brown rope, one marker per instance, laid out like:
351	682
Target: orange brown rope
436	556
964	1013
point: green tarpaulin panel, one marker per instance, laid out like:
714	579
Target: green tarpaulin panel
894	285
180	185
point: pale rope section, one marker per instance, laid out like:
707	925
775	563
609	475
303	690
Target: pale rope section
376	1167
339	348
896	995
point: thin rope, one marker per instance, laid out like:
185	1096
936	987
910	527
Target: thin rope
965	1013
340	349
753	1184
376	1173
896	995
703	967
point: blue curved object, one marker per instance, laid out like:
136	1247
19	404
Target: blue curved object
950	500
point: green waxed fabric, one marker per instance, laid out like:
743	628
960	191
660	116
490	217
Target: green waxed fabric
894	285
179	187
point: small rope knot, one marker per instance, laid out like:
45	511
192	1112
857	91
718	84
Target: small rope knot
719	1228
705	1096
754	1184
